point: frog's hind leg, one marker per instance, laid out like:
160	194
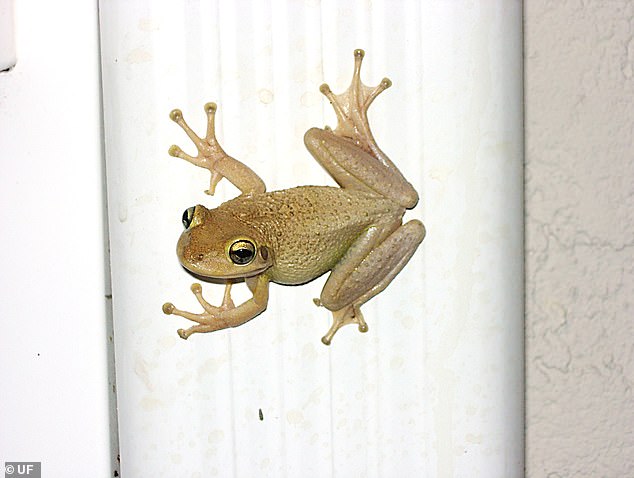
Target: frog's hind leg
366	270
349	152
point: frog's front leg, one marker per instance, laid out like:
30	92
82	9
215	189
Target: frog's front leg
367	269
227	314
212	157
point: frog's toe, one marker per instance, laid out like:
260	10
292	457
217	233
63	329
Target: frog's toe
350	314
213	182
176	115
325	89
210	108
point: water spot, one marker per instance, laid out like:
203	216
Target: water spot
150	404
122	213
141	371
396	363
309	99
215	437
441	173
407	321
185	379
308	351
167	342
147	25
315	396
265	96
138	55
211	366
294	417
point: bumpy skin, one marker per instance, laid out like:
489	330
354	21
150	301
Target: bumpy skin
308	229
295	235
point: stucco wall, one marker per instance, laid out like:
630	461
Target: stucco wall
580	238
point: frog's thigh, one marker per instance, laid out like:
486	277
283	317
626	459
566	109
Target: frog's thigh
355	280
355	168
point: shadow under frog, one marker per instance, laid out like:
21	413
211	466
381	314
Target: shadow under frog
295	235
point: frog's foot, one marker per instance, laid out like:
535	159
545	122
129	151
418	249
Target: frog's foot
351	314
207	320
212	157
209	150
350	153
351	107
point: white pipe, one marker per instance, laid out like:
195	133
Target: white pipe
472	137
435	387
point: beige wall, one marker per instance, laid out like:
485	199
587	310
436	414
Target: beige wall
580	238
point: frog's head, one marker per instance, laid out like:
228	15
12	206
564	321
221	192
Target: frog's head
216	245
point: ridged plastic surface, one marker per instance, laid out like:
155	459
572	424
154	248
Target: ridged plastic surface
435	387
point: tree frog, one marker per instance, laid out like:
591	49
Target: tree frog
295	235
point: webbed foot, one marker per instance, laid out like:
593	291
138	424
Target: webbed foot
350	314
349	152
207	320
351	107
212	157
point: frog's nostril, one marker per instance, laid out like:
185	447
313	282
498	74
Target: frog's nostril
200	257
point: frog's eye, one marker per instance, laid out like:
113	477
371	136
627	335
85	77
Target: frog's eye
242	252
188	215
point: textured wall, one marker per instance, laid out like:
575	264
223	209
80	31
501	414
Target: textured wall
580	238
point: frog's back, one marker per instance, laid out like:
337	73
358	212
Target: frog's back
309	228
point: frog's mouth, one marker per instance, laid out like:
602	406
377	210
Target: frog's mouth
201	273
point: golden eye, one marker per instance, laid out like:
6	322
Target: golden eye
188	215
242	252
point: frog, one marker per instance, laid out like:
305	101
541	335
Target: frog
292	236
